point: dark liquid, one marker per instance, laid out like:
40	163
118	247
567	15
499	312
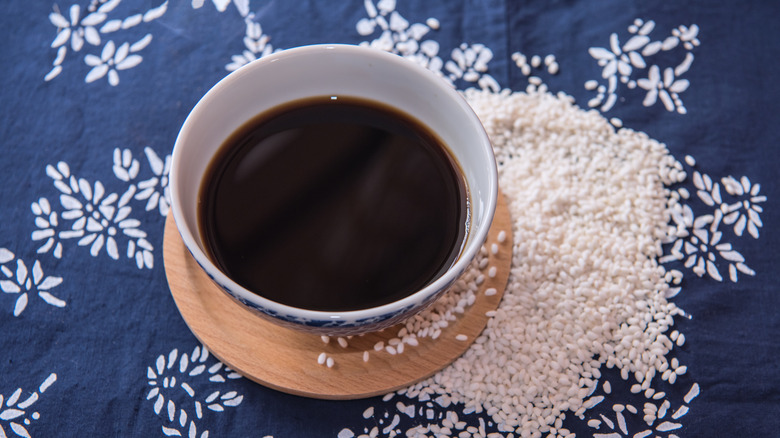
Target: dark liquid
333	205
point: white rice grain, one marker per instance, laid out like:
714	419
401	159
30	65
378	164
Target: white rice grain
682	410
345	433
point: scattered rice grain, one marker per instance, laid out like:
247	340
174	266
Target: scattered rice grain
345	433
680	412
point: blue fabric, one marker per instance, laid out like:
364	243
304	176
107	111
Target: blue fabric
86	329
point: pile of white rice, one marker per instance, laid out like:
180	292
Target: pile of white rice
590	207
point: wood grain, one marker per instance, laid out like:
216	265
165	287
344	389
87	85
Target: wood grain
286	359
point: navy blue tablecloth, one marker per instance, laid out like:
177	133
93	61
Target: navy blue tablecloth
94	93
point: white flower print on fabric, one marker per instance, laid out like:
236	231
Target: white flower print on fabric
700	241
397	35
112	59
746	208
78	27
23	282
530	66
221	5
95	218
16	416
623	63
469	62
184	389
154	190
256	43
46	220
99	220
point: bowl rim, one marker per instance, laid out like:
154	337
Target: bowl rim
310	317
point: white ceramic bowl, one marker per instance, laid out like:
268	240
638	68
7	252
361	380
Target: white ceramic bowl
334	70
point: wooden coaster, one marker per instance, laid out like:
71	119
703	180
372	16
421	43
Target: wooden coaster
287	360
